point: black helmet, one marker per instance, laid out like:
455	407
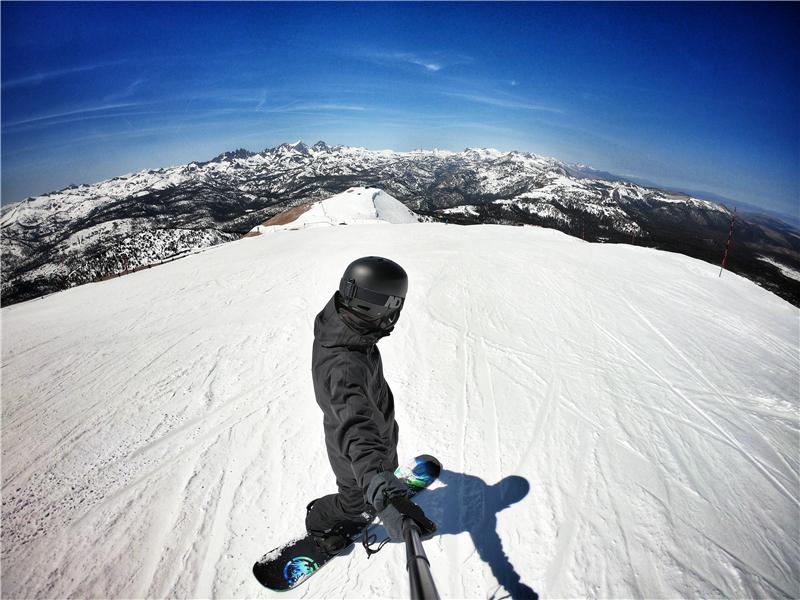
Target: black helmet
374	287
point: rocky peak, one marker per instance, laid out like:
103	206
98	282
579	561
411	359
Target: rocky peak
232	155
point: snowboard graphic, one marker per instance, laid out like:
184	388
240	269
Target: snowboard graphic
289	565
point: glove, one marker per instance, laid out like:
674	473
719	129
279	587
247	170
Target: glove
400	510
382	487
390	498
392	520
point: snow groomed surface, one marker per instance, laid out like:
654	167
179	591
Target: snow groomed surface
614	421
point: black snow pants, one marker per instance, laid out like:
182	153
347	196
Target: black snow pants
346	507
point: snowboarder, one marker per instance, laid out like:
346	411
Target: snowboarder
358	406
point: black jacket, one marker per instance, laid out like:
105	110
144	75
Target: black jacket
358	406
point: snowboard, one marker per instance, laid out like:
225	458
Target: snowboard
289	565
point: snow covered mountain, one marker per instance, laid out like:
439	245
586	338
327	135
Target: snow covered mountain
614	421
88	232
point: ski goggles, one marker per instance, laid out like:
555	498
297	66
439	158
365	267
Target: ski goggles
379	304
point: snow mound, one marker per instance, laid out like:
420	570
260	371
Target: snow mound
614	421
357	205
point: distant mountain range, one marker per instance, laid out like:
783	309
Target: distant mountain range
586	172
89	232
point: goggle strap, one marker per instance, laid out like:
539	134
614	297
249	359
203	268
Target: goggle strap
375	297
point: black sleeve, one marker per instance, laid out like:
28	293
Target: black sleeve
356	429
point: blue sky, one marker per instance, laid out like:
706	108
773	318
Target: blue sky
688	95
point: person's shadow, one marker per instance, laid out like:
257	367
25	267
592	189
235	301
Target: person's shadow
467	504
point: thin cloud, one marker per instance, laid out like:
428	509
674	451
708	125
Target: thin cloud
199	122
22	126
416	60
504	103
330	106
117	110
126	92
73	112
262	102
163	114
312	107
39	78
430	63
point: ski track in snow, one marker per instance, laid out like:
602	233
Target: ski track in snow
608	426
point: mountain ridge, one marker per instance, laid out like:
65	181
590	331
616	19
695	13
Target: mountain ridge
83	233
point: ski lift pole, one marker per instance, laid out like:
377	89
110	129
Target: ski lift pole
417	565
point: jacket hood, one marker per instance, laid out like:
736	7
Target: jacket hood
331	330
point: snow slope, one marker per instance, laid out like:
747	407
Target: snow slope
615	421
